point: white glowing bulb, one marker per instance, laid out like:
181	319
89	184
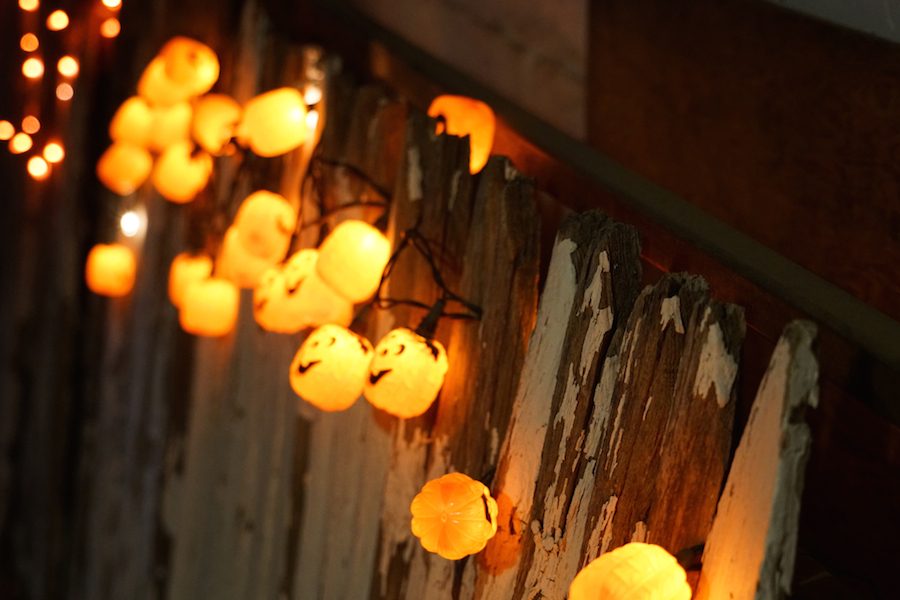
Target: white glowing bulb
130	223
312	120
312	94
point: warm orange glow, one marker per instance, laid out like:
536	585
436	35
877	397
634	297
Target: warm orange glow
454	516
352	258
265	222
171	124
33	68
215	118
132	123
467	116
187	268
29	42
112	4
110	270
406	373
123	168
330	367
31	124
190	64
21	142
54	152
237	264
29	5
64	92
209	307
274	123
57	20
7	130
634	570
155	87
110	28
132	222
180	173
38	168
67	66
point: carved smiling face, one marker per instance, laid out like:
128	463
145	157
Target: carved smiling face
265	222
406	373
330	368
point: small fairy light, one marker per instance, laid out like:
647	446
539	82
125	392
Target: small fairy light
130	223
110	28
38	168
312	94
54	153
20	143
312	120
29	42
67	66
7	130
57	20
29	5
112	4
65	91
33	68
31	124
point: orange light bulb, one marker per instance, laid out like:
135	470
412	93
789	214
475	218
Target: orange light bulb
112	4
110	28
21	142
29	5
57	20
29	42
67	66
54	152
38	168
31	125
64	92
33	68
7	130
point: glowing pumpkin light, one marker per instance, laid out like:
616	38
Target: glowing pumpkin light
274	123
237	264
124	167
132	123
406	373
215	118
180	173
171	124
209	307
187	268
454	516
330	367
634	570
352	259
110	270
190	64
155	87
467	116
265	222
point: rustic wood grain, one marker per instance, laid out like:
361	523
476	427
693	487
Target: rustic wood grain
751	548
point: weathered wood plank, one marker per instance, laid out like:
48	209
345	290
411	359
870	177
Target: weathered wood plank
751	547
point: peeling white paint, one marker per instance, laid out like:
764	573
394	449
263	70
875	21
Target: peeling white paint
670	311
640	533
414	174
717	368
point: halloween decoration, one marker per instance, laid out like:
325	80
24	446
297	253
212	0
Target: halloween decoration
274	123
180	173
634	570
466	116
330	368
110	270
215	118
265	222
352	259
157	89
454	516
189	64
209	307
124	167
406	373
132	123
171	124
186	269
237	264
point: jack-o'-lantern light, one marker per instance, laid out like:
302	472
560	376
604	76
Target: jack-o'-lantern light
181	173
156	88
132	123
330	367
124	167
454	516
406	373
635	570
466	116
265	222
171	124
190	64
237	264
352	259
209	307
110	270
274	123
215	118
187	268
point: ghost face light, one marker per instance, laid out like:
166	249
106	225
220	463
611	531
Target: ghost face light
406	373
330	368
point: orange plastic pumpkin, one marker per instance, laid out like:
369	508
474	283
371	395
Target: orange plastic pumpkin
236	264
132	123
215	118
110	270
156	88
467	116
190	64
171	124
454	516
180	173
265	222
187	268
330	367
274	123
209	307
352	259
406	373
634	570
123	168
